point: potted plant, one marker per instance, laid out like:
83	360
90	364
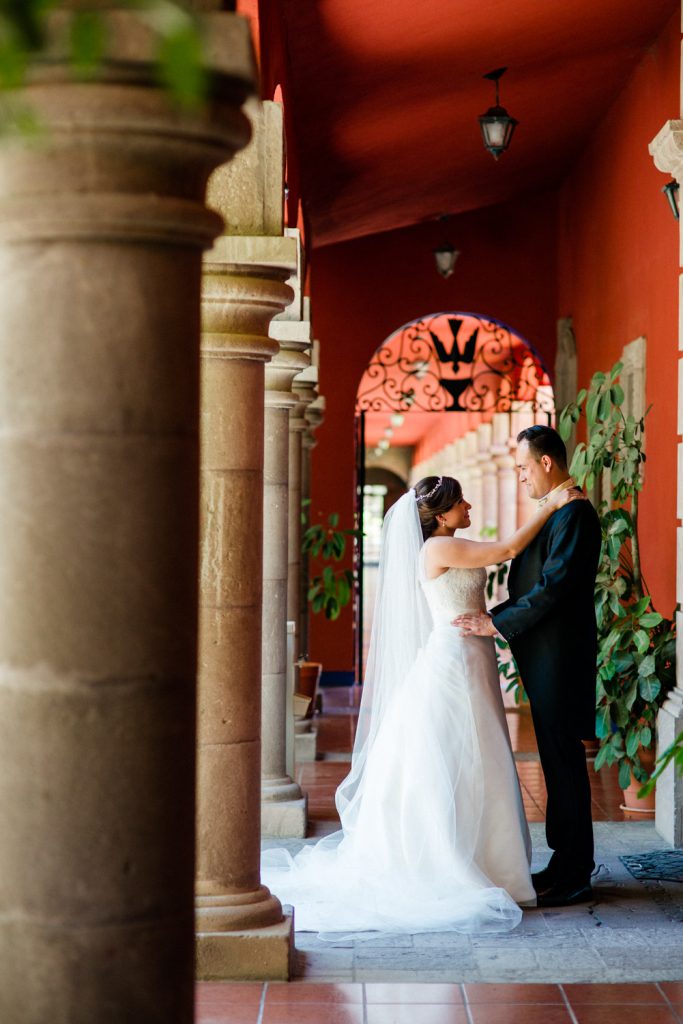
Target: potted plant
328	591
636	644
332	589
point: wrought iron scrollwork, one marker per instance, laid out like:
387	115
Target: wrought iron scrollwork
455	362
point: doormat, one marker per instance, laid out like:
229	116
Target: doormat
660	866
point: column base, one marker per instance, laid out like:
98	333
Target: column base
258	954
669	807
306	745
221	912
284	819
284	788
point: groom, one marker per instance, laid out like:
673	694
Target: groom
549	622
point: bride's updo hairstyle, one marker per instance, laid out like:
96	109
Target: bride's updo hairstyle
434	496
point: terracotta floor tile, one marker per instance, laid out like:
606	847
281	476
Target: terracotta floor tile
336	727
229	991
229	1013
307	992
603	994
319	827
673	990
482	993
312	1013
519	1013
227	1002
325	769
412	992
616	1013
416	1013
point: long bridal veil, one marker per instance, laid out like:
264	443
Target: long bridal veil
410	808
400	628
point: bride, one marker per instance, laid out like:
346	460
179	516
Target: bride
433	833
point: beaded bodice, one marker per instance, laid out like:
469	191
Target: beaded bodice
454	592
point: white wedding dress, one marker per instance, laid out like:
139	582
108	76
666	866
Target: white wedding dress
434	835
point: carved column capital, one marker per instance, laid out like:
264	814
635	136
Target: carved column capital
315	417
118	163
244	287
295	340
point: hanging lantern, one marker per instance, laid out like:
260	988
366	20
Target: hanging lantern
445	257
445	254
496	124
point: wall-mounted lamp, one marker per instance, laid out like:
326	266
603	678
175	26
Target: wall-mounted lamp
496	124
397	419
671	193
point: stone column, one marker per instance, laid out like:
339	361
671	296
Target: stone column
315	415
520	419
244	284
667	152
566	384
303	387
489	481
507	495
507	483
283	806
475	484
240	928
102	225
463	473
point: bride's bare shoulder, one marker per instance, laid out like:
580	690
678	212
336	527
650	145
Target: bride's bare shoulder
440	550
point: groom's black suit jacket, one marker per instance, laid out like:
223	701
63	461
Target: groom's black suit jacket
549	618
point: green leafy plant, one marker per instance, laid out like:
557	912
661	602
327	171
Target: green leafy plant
507	667
674	752
332	589
636	645
179	63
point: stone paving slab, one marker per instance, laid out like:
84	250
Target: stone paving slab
632	932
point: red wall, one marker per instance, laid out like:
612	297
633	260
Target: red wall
618	273
363	290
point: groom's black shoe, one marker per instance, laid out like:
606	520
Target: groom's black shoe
564	893
543	879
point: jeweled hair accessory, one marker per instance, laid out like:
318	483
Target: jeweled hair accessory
429	494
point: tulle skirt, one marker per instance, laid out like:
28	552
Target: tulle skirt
436	838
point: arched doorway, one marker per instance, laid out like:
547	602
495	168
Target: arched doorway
446	393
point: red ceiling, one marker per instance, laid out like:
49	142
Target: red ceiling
382	98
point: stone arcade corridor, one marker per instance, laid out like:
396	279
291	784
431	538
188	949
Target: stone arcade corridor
188	300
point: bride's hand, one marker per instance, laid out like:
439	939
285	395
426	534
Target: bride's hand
566	495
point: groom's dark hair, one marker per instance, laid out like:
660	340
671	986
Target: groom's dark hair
544	441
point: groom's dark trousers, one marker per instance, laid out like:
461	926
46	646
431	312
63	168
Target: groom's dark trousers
549	622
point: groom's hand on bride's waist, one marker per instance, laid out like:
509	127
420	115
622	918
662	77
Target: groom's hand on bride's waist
476	624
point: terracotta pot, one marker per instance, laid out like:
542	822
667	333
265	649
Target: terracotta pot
591	747
633	806
309	677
